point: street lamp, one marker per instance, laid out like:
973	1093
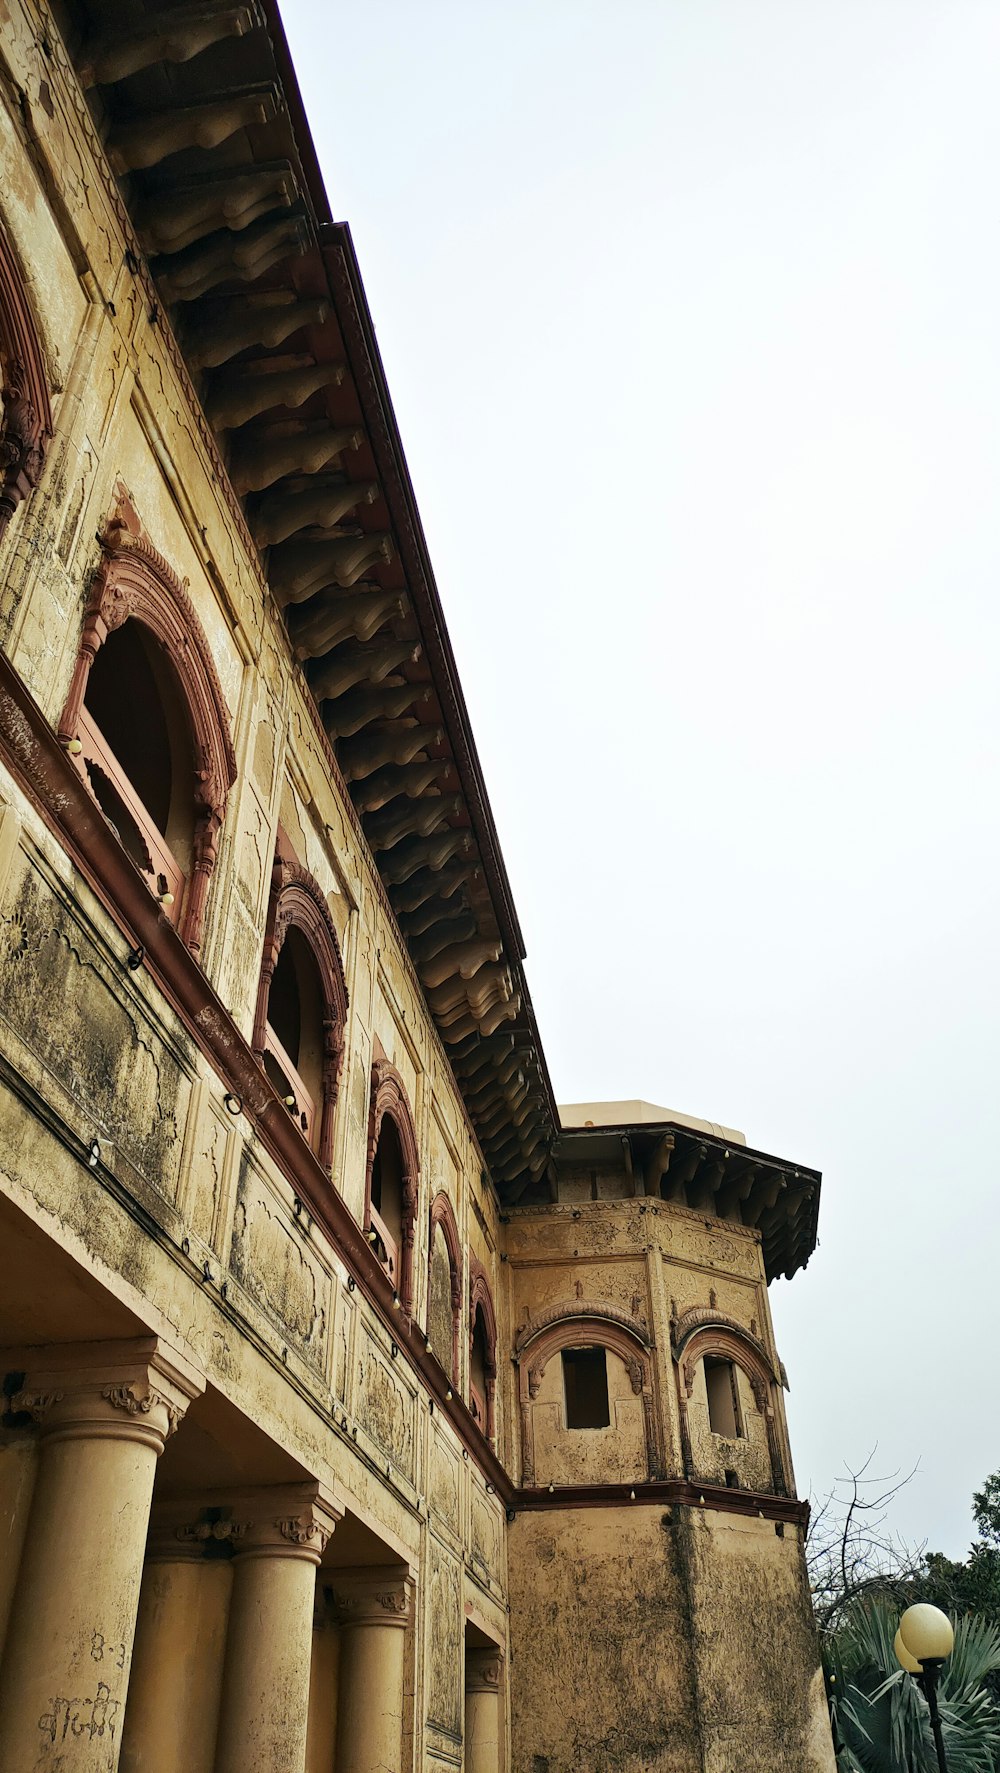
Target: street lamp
922	1644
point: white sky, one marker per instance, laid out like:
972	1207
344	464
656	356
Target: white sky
690	313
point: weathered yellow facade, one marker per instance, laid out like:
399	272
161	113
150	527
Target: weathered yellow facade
275	1495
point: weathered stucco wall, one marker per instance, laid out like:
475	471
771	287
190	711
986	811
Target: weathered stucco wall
662	1641
602	1674
760	1698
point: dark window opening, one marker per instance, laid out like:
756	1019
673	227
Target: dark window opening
387	1178
134	697
124	697
477	1371
723	1399
137	757
732	1480
585	1378
293	1054
127	829
386	1206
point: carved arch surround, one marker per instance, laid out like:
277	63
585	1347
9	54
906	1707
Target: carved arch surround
575	1325
704	1317
297	902
26	419
568	1309
134	581
729	1341
388	1097
443	1214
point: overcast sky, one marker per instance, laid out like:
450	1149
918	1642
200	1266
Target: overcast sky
690	310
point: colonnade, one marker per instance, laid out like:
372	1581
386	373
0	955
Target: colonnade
149	1636
221	1670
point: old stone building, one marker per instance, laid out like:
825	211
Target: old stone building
359	1413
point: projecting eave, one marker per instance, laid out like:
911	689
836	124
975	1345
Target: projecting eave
674	1162
261	301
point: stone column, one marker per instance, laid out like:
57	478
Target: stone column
324	1677
172	1715
374	1607
105	1411
264	1716
18	1464
482	1710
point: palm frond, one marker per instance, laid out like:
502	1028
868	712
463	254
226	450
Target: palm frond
880	1715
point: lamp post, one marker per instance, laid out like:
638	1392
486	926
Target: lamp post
922	1644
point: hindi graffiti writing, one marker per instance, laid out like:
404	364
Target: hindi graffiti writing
81	1717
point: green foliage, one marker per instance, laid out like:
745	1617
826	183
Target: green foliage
880	1717
986	1510
972	1587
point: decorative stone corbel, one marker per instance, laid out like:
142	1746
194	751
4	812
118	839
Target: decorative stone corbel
353	665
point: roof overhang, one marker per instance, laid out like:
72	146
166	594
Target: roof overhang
672	1161
262	305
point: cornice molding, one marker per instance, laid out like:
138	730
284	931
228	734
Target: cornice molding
675	1492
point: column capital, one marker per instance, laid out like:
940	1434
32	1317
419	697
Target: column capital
292	1521
483	1668
136	1390
376	1596
197	1535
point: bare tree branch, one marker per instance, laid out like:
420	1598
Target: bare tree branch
850	1550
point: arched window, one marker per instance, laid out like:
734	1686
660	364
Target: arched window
722	1393
392	1179
301	1019
146	723
444	1285
482	1350
25	412
584	1367
720	1361
137	758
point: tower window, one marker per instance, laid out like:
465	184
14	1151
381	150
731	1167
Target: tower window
585	1379
723	1399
